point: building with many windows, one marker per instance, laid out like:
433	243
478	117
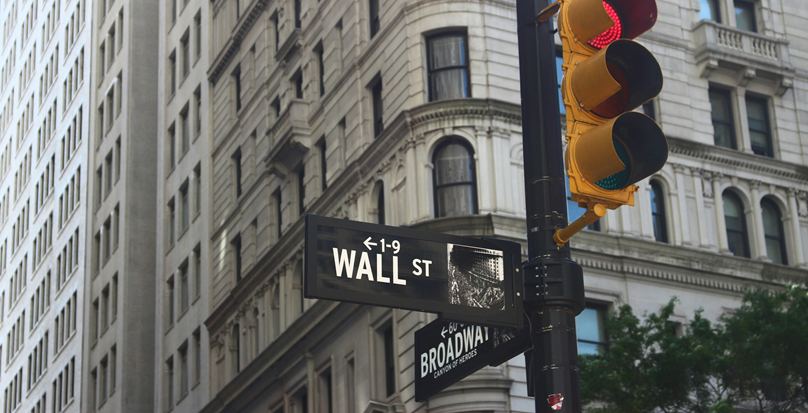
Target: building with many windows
407	113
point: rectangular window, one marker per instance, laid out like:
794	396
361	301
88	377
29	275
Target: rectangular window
301	190
169	383
350	384
185	213
745	15
197	356
198	112
172	219
378	108
103	381
170	302
323	164
198	189
118	158
173	10
113	359
236	157
95	314
758	118
297	80
197	270
373	6
171	147
721	113
183	370
116	226
185	46
236	75
277	27
318	50
236	247
185	126
105	309
184	287
198	34
325	388
172	76
57	400
102	59
276	199
448	66
591	330
111	43
114	299
108	167
297	13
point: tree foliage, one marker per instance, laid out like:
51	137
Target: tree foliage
755	359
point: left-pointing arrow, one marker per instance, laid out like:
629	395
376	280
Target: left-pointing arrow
368	244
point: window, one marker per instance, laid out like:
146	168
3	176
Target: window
116	226
373	6
99	193
380	217
721	112
184	290
389	362
173	11
102	59
108	167
276	26
172	218
658	212
172	147
745	15
198	34
649	108
236	157
773	231
236	75
318	50
184	207
325	387
323	164
185	126
183	370
301	189
737	237
105	309
709	10
235	349
378	108
197	356
118	158
93	391
448	66
169	383
185	45
591	330
350	384
454	179
198	112
198	189
172	77
170	302
758	119
276	199
236	245
113	358
95	313
297	80
103	380
114	300
297	13
197	270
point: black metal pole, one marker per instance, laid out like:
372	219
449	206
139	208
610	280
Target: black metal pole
554	292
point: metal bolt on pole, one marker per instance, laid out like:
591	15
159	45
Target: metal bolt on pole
554	292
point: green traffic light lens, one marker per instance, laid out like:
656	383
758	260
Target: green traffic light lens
620	179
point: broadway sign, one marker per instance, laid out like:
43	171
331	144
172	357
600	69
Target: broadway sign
461	278
447	351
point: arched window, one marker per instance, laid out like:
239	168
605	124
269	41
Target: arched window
737	237
454	179
276	311
235	348
773	231
256	333
658	212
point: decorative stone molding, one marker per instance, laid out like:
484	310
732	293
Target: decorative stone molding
802	206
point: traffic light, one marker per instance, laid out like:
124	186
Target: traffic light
606	76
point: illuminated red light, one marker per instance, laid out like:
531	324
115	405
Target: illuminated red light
610	35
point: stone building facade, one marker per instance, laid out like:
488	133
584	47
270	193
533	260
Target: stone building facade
407	113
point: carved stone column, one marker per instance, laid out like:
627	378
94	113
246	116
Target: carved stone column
643	200
757	223
681	195
796	233
408	214
486	175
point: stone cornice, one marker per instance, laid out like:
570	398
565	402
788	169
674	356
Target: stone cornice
230	48
724	157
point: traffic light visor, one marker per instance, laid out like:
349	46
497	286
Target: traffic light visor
621	152
598	22
618	78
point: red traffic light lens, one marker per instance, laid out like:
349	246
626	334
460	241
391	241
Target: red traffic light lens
612	33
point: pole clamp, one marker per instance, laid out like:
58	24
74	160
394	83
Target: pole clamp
553	282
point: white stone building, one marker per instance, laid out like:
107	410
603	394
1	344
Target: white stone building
406	113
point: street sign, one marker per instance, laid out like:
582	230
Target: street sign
447	352
463	279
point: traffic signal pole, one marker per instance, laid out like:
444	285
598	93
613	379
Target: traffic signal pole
554	292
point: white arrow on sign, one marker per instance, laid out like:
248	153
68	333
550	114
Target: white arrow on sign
368	243
443	332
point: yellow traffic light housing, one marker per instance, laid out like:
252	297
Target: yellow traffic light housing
606	76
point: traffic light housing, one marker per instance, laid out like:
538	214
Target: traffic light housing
606	76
